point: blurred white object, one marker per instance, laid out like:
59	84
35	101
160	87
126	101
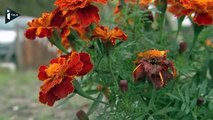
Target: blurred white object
8	65
7	36
186	22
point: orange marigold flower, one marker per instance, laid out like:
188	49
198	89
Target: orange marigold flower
199	10
43	26
154	65
39	27
58	76
85	12
107	35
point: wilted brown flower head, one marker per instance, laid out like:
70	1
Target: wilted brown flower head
154	65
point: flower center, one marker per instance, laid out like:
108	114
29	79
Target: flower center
55	70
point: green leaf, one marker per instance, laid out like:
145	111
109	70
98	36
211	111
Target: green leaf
211	105
210	93
165	110
203	87
210	67
187	96
173	96
152	99
183	107
181	94
95	104
194	115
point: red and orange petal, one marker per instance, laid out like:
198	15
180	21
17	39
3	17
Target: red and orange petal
58	75
87	65
88	15
199	10
58	92
100	1
75	65
71	4
117	33
39	27
203	19
144	3
138	72
152	53
30	33
107	35
58	18
42	74
101	32
76	4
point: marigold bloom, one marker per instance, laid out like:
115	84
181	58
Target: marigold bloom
107	35
153	65
86	12
39	27
199	10
43	26
58	76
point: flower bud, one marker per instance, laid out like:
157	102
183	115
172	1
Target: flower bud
200	101
123	85
182	47
81	115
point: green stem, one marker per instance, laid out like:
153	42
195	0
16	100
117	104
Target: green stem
180	20
94	99
111	71
197	31
192	46
80	92
161	27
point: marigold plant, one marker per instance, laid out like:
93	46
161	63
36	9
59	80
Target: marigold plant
126	58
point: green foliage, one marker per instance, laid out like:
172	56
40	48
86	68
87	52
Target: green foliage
189	96
181	97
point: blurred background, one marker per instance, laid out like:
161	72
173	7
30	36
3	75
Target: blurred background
19	61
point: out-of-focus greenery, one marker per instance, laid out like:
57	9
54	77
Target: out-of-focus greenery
27	7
